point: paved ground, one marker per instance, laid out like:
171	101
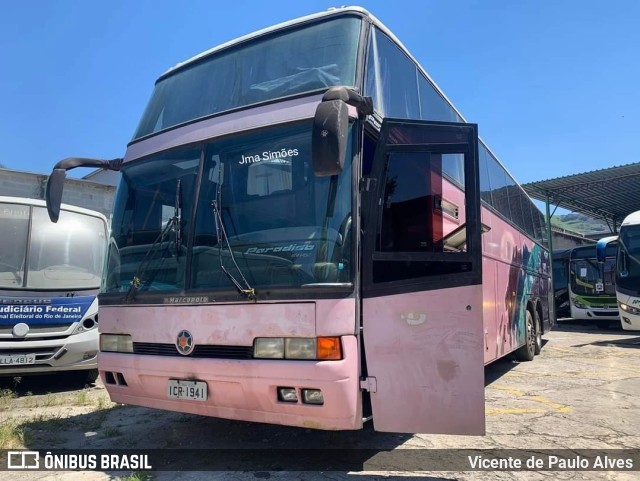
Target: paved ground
582	392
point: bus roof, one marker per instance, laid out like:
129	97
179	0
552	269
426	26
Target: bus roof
561	254
41	203
328	13
589	252
333	11
632	219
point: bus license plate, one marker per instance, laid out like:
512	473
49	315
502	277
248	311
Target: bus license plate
191	390
17	359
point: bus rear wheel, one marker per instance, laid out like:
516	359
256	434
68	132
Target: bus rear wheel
538	333
528	351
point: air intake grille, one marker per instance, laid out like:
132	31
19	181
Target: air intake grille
200	351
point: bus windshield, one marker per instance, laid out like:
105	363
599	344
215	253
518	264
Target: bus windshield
37	254
586	278
629	258
284	226
285	63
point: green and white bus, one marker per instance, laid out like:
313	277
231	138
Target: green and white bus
592	285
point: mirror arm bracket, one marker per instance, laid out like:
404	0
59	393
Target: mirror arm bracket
364	105
73	162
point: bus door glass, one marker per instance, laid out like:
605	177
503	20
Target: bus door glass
422	292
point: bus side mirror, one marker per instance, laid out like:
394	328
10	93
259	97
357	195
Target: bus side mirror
329	137
55	183
53	193
601	247
622	264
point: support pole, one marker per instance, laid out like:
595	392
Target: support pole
553	319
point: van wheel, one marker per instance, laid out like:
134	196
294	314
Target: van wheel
86	378
91	376
538	334
528	351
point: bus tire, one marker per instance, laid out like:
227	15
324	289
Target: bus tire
538	334
528	351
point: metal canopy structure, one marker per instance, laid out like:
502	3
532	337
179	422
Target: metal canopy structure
609	194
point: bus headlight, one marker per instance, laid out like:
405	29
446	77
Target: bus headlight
116	343
311	348
86	325
300	348
269	348
579	304
628	308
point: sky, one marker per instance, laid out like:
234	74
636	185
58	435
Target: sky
552	84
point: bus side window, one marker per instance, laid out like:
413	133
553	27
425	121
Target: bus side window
411	219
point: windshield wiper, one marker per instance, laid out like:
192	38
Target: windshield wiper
177	216
247	291
136	282
174	222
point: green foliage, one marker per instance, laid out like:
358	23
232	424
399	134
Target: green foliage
580	224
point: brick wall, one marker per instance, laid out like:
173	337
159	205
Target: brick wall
83	193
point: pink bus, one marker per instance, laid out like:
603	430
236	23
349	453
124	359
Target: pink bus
308	233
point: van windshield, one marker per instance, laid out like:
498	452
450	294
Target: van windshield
38	254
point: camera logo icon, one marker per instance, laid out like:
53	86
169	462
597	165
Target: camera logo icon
23	460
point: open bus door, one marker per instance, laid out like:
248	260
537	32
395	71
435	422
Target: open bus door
422	292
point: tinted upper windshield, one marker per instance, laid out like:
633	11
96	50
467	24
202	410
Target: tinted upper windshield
290	62
285	226
628	274
66	255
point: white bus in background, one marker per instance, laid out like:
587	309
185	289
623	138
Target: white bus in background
49	280
628	272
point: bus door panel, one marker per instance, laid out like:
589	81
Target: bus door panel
422	304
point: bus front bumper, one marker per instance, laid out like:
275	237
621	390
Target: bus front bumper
629	322
244	390
77	352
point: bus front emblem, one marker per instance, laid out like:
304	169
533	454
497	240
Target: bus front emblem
20	330
184	343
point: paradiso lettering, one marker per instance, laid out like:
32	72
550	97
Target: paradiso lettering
289	248
268	155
